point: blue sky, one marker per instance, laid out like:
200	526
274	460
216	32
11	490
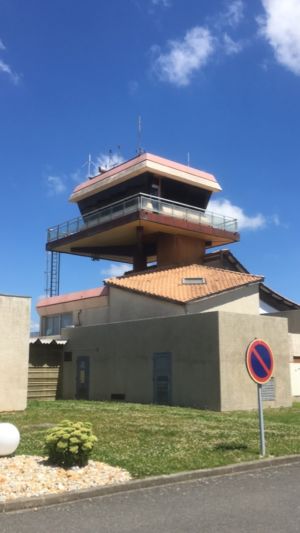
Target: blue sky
218	79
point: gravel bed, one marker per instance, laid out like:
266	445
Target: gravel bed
24	476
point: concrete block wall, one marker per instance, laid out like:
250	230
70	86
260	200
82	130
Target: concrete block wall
14	350
208	359
238	390
121	359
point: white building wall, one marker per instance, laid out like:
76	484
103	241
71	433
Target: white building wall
295	378
14	352
265	308
243	300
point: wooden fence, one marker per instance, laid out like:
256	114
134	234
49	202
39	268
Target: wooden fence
44	382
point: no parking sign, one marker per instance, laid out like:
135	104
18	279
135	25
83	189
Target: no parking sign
260	361
260	365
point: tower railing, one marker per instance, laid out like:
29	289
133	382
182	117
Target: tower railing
142	202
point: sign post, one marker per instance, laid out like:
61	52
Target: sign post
260	365
262	447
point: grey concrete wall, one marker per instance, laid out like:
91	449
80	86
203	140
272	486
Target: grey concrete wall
236	332
121	359
241	300
208	359
91	317
123	305
293	317
127	305
14	350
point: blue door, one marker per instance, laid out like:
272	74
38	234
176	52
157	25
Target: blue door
162	378
83	378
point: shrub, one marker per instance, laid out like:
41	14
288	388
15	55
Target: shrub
70	443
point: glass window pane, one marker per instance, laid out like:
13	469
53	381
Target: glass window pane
66	320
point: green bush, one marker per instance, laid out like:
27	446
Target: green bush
70	443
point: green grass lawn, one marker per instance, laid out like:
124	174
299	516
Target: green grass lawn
151	440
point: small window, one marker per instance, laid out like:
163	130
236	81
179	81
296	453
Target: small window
67	357
52	325
193	281
66	320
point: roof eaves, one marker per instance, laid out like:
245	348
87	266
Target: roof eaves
279	297
231	258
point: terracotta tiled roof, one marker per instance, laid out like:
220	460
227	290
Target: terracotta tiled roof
72	296
168	283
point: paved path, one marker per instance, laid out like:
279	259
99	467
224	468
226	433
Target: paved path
258	502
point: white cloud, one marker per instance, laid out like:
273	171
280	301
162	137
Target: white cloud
280	25
226	208
230	46
234	13
108	161
115	269
6	69
56	185
184	58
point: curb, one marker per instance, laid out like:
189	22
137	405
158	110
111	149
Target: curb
150	482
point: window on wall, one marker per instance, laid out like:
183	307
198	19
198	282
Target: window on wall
66	320
52	325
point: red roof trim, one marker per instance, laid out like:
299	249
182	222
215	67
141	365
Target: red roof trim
140	159
73	296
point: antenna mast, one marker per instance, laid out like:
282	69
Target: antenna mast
110	158
89	163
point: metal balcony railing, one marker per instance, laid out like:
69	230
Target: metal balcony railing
140	202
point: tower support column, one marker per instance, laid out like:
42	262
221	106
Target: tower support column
179	250
140	256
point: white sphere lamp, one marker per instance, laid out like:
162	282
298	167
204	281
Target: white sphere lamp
9	438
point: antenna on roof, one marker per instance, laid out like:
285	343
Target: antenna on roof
139	135
188	159
110	158
89	164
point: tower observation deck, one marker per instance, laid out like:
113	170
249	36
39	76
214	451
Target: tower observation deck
145	210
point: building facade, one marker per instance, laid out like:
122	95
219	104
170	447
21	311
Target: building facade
176	327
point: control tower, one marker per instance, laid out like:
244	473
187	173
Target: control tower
143	211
